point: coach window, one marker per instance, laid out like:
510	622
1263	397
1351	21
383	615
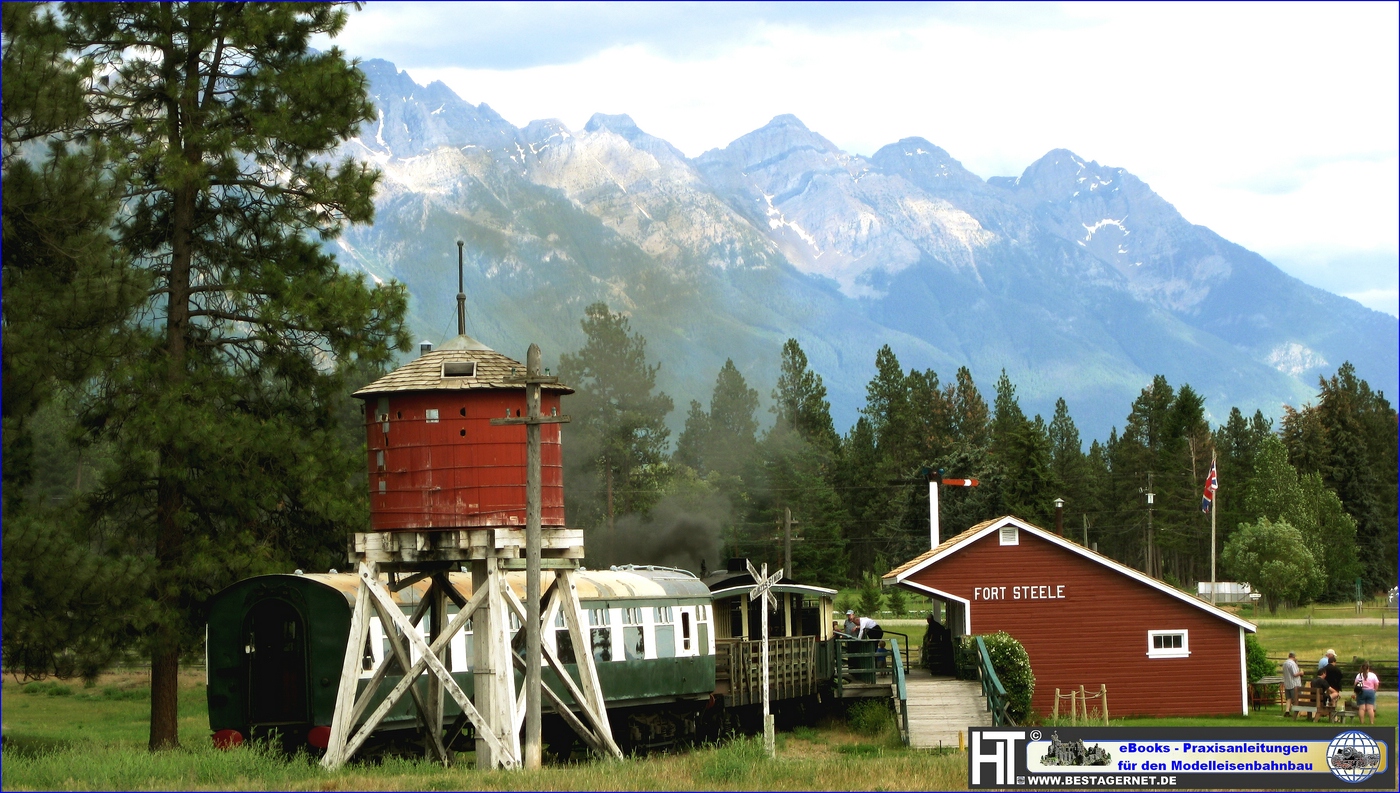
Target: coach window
1168	644
665	633
601	635
685	632
563	643
634	640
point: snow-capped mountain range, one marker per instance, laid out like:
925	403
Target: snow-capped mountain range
1074	277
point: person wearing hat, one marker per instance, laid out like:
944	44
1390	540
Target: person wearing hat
1292	680
865	628
1327	657
852	626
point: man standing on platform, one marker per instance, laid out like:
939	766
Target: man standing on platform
1292	679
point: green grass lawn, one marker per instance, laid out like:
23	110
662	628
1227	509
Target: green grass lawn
1372	642
94	739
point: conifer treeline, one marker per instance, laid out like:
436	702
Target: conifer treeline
860	501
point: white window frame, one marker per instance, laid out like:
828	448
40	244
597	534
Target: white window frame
1184	651
1015	535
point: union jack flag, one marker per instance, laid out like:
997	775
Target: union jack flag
1212	485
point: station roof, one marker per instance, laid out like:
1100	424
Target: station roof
428	373
956	543
725	583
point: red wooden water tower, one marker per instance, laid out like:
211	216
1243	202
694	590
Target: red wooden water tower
435	460
450	445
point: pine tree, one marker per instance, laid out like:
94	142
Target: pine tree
224	418
971	419
620	436
799	399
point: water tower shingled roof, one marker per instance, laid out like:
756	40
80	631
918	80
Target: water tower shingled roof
426	372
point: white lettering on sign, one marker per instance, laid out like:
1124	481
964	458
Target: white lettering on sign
1024	592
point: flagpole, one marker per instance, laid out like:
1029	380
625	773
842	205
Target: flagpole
1214	504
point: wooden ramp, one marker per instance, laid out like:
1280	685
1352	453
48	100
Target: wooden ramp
942	708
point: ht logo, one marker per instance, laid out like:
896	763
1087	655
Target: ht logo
996	748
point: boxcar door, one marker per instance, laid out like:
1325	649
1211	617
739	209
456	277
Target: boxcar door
275	658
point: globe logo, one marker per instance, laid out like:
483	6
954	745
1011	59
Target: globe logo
1353	756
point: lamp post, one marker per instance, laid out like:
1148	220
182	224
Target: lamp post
1060	516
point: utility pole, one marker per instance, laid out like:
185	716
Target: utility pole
1149	566
787	540
534	378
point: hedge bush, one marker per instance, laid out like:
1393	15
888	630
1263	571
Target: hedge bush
1256	659
1013	666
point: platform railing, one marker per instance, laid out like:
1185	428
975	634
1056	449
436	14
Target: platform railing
992	688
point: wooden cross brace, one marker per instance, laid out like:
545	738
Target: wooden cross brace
372	595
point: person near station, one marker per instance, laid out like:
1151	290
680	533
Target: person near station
1327	657
1319	683
852	626
1333	673
1292	680
866	628
1367	684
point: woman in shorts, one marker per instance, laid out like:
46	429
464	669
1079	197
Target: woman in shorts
1366	685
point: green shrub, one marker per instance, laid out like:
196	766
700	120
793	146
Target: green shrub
899	603
1013	667
1256	659
871	600
871	717
965	658
51	688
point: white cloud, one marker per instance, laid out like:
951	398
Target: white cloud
1275	125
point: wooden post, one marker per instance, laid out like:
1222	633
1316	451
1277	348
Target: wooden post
433	716
763	589
787	541
342	722
1103	695
533	757
534	378
1055	712
1083	703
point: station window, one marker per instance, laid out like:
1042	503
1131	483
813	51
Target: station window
431	414
634	640
1010	535
1168	644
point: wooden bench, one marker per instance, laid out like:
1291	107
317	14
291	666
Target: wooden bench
1310	701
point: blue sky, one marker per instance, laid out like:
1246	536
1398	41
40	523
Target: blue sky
1276	125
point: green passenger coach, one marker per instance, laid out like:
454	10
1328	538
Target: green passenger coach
276	646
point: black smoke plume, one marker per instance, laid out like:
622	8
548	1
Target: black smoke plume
680	531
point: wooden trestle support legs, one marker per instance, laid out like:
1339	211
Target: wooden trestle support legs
499	709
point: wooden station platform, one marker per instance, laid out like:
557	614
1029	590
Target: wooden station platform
942	708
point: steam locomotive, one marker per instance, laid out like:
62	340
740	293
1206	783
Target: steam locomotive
677	657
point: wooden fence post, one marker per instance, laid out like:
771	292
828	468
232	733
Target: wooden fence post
1103	693
1056	710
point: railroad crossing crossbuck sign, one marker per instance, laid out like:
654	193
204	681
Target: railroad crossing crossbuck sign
763	588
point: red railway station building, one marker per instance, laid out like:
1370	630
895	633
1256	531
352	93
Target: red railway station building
1087	620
